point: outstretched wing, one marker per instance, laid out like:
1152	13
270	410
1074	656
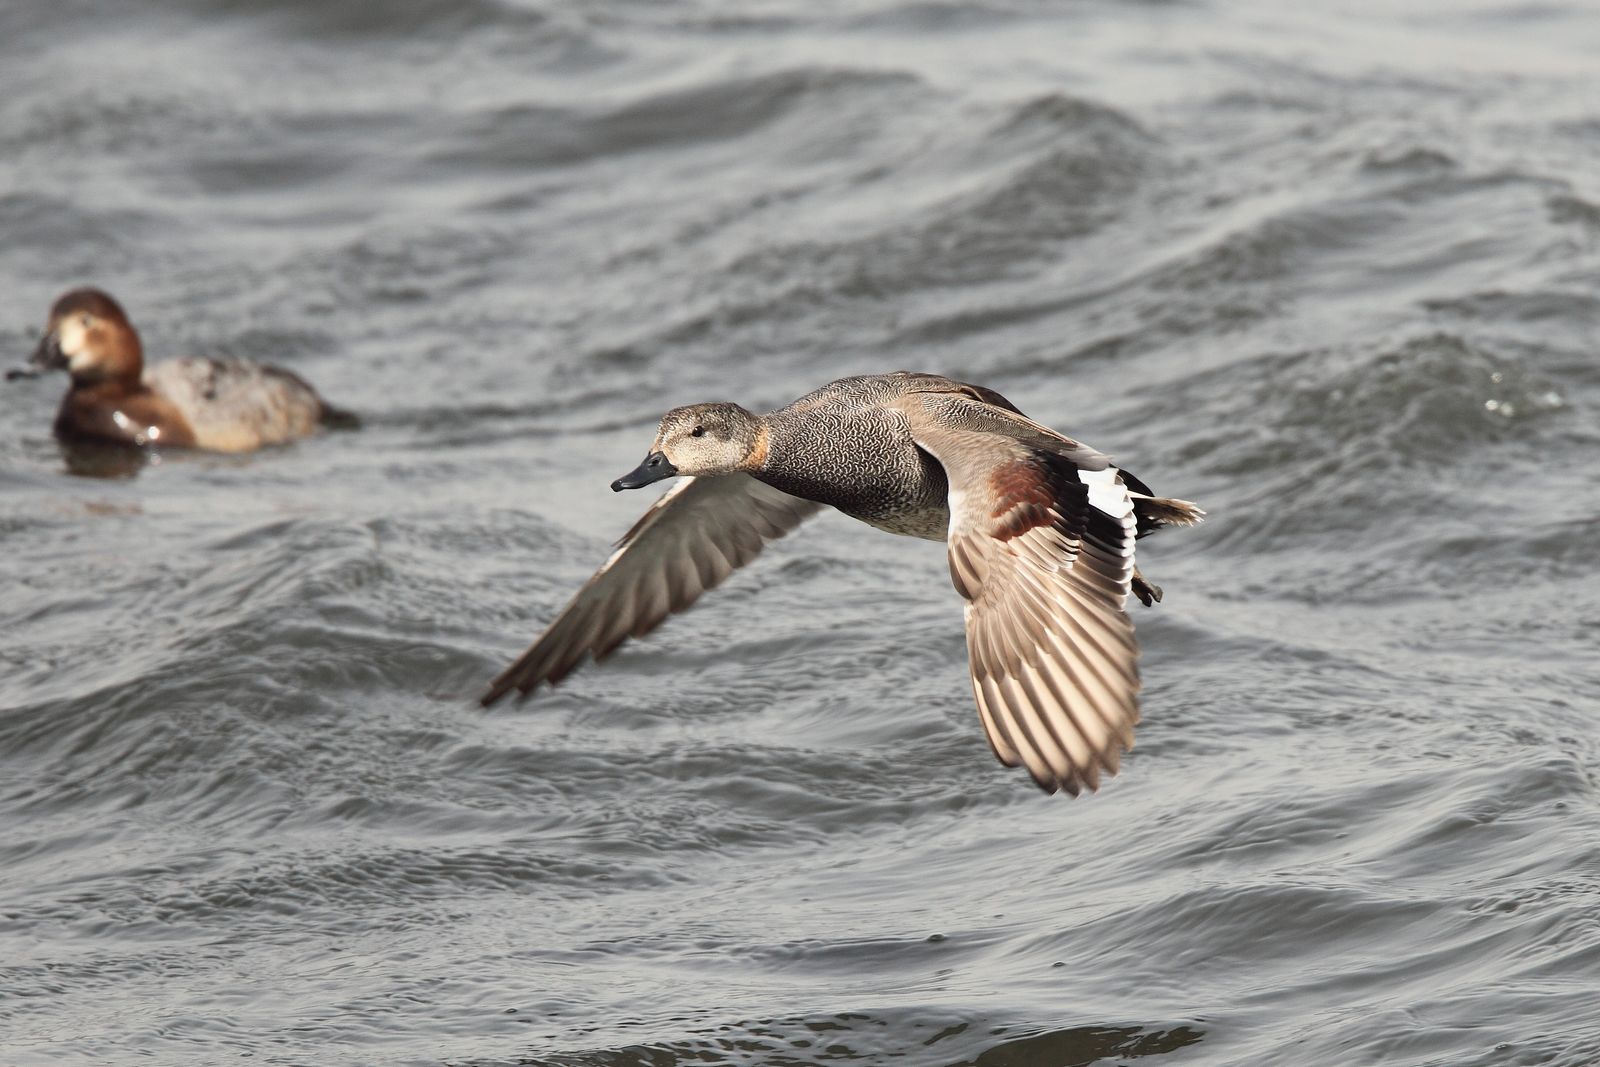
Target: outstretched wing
697	534
1042	549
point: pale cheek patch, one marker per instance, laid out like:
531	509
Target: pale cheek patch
72	339
70	335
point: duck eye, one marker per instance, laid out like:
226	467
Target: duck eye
698	431
86	320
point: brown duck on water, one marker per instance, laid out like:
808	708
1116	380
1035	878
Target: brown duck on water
212	404
1040	532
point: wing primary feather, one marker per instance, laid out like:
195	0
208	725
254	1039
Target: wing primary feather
1031	759
1024	710
1004	750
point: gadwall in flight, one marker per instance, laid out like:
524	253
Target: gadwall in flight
1040	532
196	402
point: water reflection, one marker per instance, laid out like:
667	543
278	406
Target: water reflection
871	1037
94	459
1083	1045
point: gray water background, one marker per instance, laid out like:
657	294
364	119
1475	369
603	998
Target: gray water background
1333	273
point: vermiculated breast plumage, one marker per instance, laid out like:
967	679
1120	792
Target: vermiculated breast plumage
858	457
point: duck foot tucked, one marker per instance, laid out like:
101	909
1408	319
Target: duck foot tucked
1148	592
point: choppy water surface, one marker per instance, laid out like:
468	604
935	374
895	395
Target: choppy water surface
1336	275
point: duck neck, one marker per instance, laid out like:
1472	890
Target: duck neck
760	450
106	388
774	461
118	365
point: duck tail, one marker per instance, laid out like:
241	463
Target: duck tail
1160	511
336	418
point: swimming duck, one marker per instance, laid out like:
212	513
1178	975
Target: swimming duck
211	404
1040	530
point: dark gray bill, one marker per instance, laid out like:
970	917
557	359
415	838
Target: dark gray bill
48	356
654	468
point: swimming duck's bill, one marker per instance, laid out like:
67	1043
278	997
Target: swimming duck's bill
655	467
48	355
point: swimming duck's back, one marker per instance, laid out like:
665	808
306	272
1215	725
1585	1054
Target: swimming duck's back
237	406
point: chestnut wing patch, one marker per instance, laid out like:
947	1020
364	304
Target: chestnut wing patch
1024	498
1044	489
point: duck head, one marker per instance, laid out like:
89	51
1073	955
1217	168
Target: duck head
89	337
702	439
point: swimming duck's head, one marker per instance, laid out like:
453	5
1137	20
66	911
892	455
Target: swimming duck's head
89	337
700	439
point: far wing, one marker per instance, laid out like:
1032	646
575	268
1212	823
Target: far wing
972	407
696	535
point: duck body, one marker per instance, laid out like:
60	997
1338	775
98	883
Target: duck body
210	404
237	406
843	447
1040	531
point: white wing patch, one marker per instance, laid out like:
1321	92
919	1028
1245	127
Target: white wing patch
1107	493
